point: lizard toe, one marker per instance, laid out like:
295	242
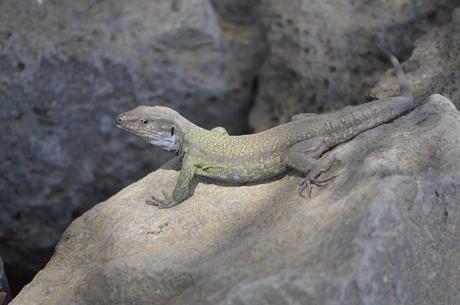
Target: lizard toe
323	182
308	182
305	184
167	202
152	200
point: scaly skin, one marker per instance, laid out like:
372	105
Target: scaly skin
298	144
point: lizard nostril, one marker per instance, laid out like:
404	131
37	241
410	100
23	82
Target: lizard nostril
119	119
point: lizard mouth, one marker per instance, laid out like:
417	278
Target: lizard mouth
127	127
131	128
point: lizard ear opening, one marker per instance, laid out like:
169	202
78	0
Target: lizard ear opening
172	131
144	121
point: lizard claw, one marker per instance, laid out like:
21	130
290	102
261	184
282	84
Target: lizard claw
308	182
151	200
305	183
165	203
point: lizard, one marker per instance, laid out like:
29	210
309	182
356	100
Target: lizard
299	144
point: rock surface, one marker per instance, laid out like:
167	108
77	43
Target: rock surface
67	69
384	232
323	55
434	65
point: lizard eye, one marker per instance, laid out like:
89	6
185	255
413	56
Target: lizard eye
172	131
144	121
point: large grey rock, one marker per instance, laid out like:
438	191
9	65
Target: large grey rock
434	65
67	68
384	232
323	55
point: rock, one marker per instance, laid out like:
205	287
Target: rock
323	55
434	65
5	294
68	68
384	232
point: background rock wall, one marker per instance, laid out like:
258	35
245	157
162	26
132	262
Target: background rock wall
323	54
434	65
68	67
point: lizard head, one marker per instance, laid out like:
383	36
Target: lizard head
160	126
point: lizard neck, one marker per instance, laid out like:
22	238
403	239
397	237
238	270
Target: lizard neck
187	136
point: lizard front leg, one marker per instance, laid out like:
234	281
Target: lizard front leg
181	190
306	157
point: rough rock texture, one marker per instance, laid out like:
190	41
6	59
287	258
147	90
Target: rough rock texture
384	232
5	294
322	54
434	65
67	68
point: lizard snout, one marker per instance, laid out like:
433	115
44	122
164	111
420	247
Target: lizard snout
120	118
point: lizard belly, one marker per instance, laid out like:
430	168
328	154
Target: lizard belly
244	169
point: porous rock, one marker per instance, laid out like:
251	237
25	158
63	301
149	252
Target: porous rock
384	232
434	65
323	55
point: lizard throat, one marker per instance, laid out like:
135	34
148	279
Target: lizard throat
166	143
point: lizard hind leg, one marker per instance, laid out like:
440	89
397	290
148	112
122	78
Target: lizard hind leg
306	157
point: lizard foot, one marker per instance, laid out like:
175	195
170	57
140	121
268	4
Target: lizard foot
308	182
312	177
162	204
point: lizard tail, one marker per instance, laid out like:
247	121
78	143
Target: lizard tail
377	112
404	85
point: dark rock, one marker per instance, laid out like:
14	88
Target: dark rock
434	66
5	294
323	56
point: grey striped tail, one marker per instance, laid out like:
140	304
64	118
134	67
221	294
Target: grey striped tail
369	115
